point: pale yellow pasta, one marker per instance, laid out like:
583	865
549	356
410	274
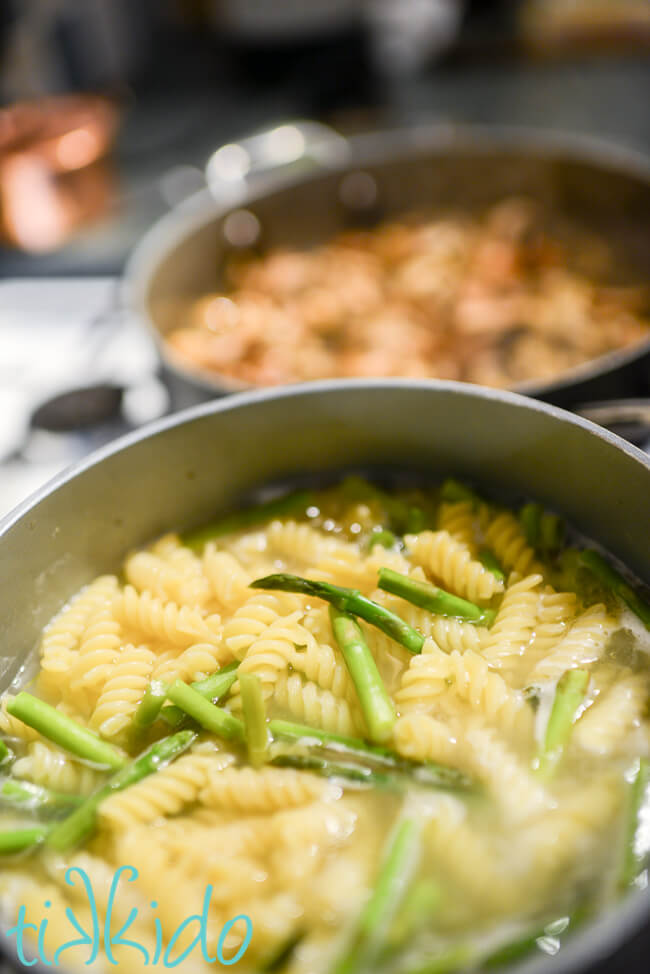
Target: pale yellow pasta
450	562
47	765
301	544
165	621
556	612
510	782
98	653
607	726
583	644
458	520
425	738
265	790
513	628
228	580
13	727
194	663
308	703
273	652
488	693
427	677
251	619
62	635
506	539
123	691
166	793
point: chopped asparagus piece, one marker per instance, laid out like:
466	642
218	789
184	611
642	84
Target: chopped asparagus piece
395	874
81	823
212	718
489	560
634	850
293	503
351	601
569	696
433	599
376	705
65	732
611	579
258	736
19	840
24	794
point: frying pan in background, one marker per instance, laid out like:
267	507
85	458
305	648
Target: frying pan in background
300	183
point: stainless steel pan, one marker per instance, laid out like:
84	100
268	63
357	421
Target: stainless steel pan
185	469
296	182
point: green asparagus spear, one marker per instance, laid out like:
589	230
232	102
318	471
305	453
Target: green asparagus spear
431	598
81	823
376	705
404	518
281	956
335	769
19	840
352	749
454	491
530	517
417	911
348	600
552	530
569	695
215	719
24	794
258	736
5	753
611	579
151	704
489	560
64	731
390	889
385	538
212	688
293	503
635	850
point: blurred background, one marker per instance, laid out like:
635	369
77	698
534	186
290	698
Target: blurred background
109	111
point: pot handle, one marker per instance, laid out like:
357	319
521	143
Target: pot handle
630	418
273	154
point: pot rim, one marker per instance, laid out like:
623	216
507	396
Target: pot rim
608	932
368	148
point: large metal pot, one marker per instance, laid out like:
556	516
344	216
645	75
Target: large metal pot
295	180
182	470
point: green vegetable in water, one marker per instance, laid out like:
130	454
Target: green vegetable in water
614	581
569	697
215	719
258	737
78	826
376	705
348	600
433	599
64	731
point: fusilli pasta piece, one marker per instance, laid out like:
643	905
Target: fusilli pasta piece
253	617
47	765
318	708
458	520
583	644
165	621
228	580
425	738
63	634
512	630
603	728
265	790
123	691
507	540
452	564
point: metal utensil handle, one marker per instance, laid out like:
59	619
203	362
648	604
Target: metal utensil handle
272	153
630	418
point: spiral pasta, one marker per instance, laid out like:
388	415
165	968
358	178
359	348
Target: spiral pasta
458	520
506	538
513	627
165	621
228	580
306	702
49	766
123	691
245	790
583	644
451	563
